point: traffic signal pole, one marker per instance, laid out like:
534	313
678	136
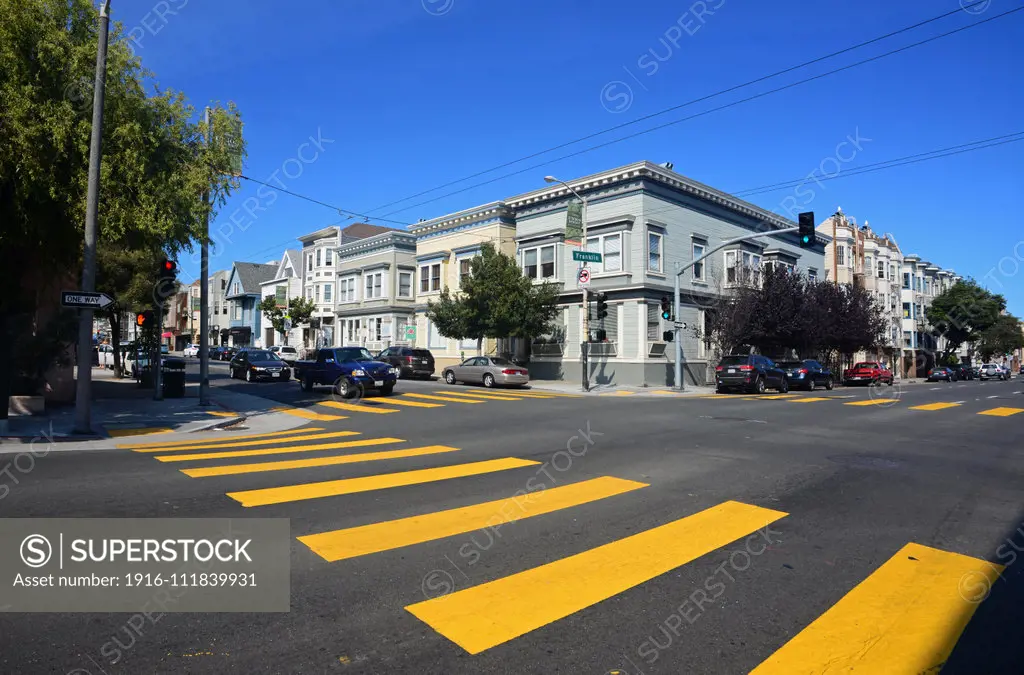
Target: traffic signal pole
677	302
83	386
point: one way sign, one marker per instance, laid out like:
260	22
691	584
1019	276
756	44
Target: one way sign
83	300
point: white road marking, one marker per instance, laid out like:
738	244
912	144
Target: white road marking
992	397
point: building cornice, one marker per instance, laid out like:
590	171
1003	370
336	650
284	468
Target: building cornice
478	215
329	231
386	240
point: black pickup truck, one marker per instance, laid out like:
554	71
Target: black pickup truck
350	370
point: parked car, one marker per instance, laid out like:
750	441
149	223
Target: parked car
253	365
286	353
228	353
975	372
944	373
190	350
410	361
806	374
350	370
749	372
1006	371
489	370
867	372
136	362
963	372
991	371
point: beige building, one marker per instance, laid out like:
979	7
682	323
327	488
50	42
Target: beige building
444	248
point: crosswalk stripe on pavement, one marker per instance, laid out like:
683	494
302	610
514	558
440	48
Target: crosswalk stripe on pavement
1002	412
309	414
278	451
449	399
231	443
395	400
934	406
259	467
355	407
775	397
873	401
486	395
481	617
346	486
810	399
224	436
374	538
905	617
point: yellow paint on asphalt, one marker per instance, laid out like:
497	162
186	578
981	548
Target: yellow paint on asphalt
504	391
449	399
347	486
934	406
356	407
279	451
231	443
904	618
874	401
811	399
619	393
260	467
357	541
662	392
1002	412
393	400
224	436
490	614
136	431
309	414
773	397
221	413
485	395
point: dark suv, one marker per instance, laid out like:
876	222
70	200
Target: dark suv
749	372
410	361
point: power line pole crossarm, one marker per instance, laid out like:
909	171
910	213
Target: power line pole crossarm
677	302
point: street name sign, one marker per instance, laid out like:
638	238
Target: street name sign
83	300
586	256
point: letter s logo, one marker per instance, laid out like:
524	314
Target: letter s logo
36	550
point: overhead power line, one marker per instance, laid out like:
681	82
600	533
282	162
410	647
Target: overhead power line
341	211
681	105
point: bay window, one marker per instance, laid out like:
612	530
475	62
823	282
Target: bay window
539	262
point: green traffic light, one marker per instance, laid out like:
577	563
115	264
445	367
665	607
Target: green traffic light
806	239
666	315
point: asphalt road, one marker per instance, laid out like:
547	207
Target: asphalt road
655	558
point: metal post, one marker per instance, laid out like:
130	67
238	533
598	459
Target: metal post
586	306
204	293
83	387
677	332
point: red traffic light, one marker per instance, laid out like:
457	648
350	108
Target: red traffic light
140	319
168	265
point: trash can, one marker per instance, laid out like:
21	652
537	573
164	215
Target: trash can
172	371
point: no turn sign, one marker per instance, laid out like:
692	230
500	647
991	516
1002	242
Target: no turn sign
583	277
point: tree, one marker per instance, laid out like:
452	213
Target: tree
1002	337
127	275
963	312
298	311
494	301
154	177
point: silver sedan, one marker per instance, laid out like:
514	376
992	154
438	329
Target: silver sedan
489	370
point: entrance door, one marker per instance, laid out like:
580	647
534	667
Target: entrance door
268	337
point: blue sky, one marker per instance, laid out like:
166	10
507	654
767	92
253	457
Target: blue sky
409	94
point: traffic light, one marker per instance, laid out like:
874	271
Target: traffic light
145	320
668	336
166	281
602	304
666	308
806	223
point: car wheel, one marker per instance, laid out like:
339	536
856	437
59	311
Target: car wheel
759	385
889	381
449	377
248	376
784	386
719	390
387	389
306	383
810	384
488	380
828	384
344	388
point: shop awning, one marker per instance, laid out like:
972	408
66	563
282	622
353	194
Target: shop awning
168	335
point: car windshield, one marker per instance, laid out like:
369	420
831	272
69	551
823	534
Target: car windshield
354	354
734	361
422	353
866	364
498	361
287	350
258	357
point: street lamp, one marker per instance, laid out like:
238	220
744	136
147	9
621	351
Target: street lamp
585	345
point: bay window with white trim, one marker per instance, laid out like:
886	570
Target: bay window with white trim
539	262
655	255
610	248
373	283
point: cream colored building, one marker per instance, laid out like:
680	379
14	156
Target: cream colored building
444	248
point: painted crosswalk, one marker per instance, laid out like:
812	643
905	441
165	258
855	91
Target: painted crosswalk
883	402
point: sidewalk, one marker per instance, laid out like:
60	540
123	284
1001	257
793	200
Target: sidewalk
121	408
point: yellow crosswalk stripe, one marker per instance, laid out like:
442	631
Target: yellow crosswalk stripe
221	413
357	407
934	406
904	618
136	431
811	399
619	393
537	393
485	395
873	401
278	451
309	414
449	399
773	397
260	467
225	436
1002	412
294	438
356	541
490	614
333	488
394	400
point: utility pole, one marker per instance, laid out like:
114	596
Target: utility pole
677	302
585	344
83	387
204	290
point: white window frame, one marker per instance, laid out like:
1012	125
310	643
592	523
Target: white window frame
659	251
441	342
599	244
347	290
703	266
880	269
426	275
840	255
412	283
538	251
319	257
328	293
374	287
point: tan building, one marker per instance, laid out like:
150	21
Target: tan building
444	248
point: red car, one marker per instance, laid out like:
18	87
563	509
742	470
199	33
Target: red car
867	372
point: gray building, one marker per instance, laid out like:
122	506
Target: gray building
644	219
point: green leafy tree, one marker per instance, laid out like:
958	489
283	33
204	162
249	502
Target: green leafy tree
495	301
1002	337
963	312
298	311
158	180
